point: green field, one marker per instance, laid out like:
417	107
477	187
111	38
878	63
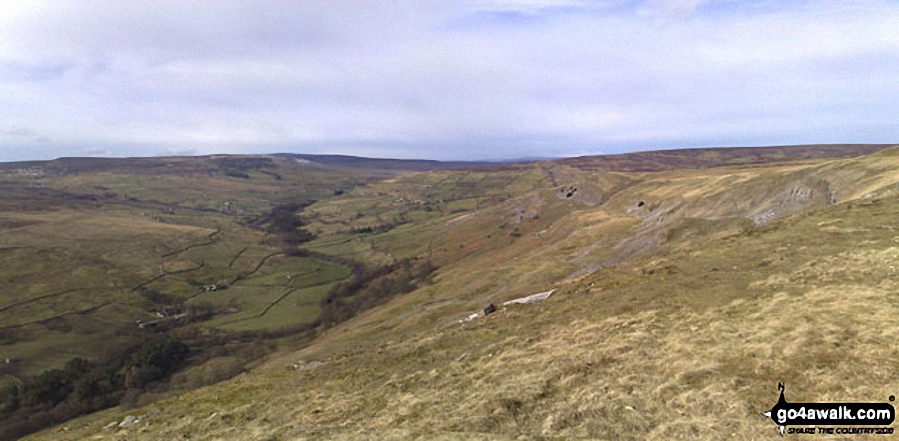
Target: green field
282	294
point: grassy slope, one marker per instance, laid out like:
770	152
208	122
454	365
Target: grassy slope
674	319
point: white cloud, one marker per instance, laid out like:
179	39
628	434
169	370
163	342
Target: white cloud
439	79
533	7
24	134
676	6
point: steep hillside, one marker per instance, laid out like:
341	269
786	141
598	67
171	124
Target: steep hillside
682	297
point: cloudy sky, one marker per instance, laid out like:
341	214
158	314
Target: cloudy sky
479	79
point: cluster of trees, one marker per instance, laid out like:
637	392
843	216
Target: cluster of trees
283	221
377	229
370	287
83	386
8	336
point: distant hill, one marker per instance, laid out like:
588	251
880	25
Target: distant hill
344	161
141	165
190	164
653	160
657	160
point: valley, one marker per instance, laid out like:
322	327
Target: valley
688	284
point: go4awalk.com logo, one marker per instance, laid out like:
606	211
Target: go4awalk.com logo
837	418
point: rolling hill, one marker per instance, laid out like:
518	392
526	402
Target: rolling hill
687	285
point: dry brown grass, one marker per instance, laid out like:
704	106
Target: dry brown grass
651	375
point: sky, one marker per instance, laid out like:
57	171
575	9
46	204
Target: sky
459	80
